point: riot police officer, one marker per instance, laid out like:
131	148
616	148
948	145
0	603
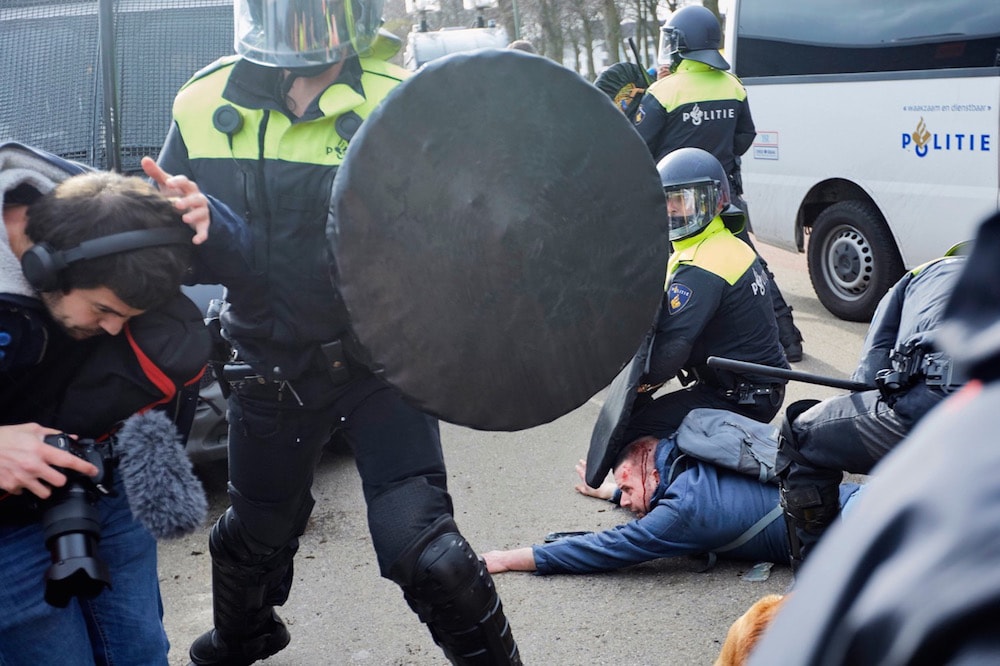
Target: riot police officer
853	432
266	133
703	106
716	303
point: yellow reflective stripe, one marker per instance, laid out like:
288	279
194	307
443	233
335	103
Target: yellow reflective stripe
721	254
211	67
299	142
693	87
193	109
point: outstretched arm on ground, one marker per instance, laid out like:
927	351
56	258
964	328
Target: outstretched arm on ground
518	559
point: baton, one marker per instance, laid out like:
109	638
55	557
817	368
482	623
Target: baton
782	373
635	52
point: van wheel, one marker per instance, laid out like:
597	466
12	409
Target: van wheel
852	259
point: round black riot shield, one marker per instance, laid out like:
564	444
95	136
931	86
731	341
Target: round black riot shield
498	236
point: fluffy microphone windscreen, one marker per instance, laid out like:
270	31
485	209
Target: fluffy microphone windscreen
163	491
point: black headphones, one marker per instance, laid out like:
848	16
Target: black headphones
42	265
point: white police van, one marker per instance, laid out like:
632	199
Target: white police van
877	128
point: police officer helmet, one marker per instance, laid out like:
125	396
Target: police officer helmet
692	33
696	190
304	34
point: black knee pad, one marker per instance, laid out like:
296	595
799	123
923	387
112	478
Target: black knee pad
449	588
275	527
398	516
230	542
438	566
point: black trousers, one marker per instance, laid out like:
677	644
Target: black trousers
275	444
848	433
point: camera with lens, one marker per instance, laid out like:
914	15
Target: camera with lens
72	524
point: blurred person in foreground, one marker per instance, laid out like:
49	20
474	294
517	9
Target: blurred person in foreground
913	575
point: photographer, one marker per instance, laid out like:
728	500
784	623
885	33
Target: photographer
93	329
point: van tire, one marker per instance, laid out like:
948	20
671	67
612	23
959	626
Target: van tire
853	260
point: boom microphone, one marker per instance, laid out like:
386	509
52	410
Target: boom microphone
162	490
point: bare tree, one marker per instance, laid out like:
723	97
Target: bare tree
553	40
612	30
588	15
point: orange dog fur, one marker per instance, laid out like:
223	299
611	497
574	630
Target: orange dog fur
747	630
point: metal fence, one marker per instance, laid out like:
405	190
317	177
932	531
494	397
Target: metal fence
94	80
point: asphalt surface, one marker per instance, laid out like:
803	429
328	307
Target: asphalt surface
510	490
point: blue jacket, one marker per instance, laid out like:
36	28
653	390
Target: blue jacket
703	508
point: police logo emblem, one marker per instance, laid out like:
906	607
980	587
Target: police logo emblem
678	296
639	115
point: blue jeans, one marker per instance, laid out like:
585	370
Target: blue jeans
122	625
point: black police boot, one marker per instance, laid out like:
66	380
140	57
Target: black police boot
808	512
212	649
790	337
244	595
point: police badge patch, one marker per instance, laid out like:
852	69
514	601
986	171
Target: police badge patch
639	115
678	295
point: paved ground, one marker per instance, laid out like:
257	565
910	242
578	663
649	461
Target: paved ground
510	489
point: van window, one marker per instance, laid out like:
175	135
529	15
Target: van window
792	37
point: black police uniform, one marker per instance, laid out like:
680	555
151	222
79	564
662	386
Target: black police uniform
699	106
853	432
716	303
301	380
910	575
